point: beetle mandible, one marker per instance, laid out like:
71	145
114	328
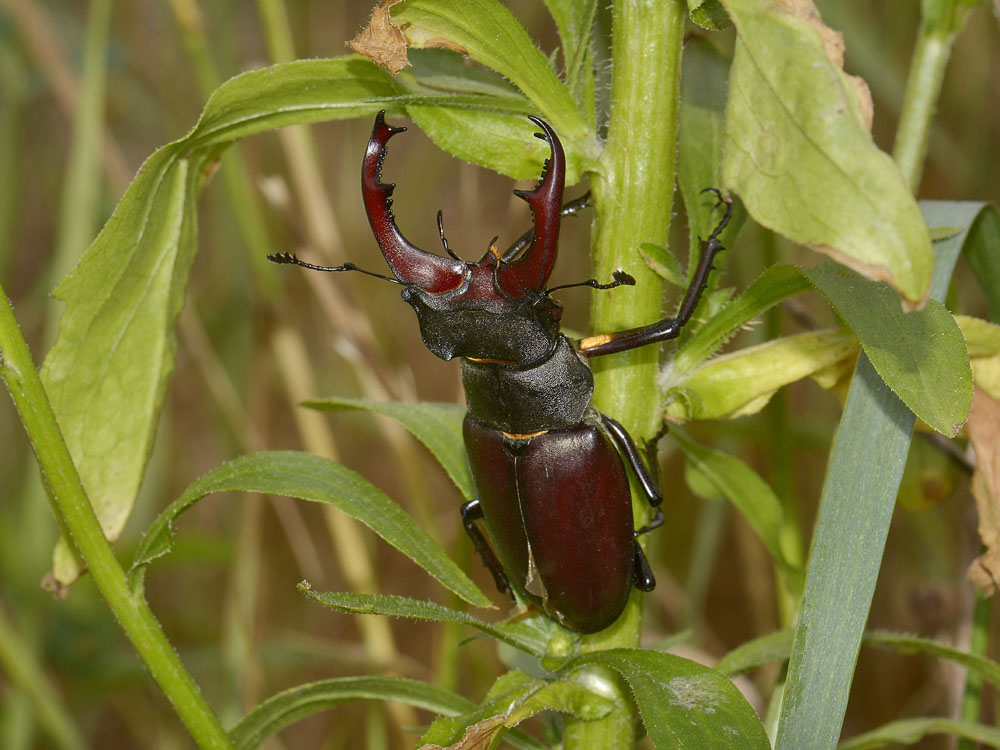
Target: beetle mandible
548	467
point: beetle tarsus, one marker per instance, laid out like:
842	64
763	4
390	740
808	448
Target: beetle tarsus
642	574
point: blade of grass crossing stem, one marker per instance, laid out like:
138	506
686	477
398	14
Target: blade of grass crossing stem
859	495
856	507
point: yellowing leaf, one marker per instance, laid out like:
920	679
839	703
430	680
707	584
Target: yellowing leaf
983	340
741	383
799	154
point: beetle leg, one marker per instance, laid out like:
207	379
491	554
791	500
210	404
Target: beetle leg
656	523
642	574
627	448
668	328
472	511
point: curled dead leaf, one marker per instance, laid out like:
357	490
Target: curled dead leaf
476	737
381	40
984	431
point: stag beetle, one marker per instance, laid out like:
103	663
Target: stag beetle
549	468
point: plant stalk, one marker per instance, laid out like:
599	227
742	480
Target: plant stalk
923	87
633	189
73	508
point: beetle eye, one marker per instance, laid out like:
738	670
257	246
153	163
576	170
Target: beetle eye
557	309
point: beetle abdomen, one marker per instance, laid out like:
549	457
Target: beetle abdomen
558	510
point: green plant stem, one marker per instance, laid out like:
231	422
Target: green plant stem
75	513
930	58
633	188
972	699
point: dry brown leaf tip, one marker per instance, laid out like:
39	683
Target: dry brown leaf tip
381	40
476	737
833	45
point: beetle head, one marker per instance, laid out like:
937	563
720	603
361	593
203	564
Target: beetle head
491	309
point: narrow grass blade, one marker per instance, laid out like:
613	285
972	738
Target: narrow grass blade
301	701
517	634
317	479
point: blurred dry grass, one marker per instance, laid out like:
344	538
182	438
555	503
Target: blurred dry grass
226	597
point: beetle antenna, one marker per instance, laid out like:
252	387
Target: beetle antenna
620	279
291	259
441	232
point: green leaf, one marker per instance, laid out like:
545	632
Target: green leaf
575	22
490	34
983	340
709	14
774	646
107	374
502	142
741	383
977	235
520	635
438	426
684	704
799	154
495	134
317	479
514	697
921	355
776	283
777	646
447	70
301	701
750	494
904	643
663	263
983	253
911	731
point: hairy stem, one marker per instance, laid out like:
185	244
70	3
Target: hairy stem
633	190
76	515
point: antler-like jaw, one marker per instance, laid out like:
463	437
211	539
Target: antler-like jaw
534	267
414	267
